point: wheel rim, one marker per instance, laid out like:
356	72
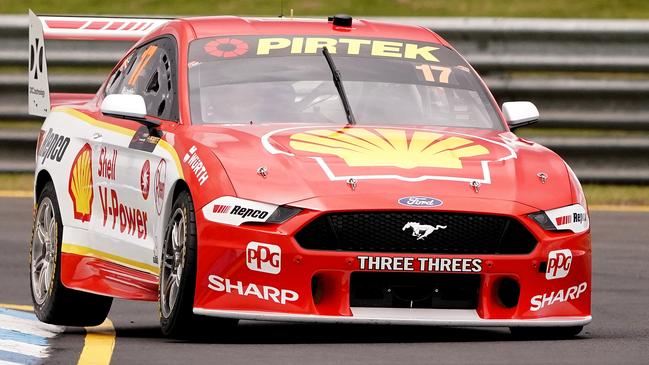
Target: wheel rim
173	262
43	254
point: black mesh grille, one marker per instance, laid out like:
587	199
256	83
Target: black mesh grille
414	290
384	232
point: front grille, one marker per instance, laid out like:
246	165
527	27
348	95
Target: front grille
414	290
384	232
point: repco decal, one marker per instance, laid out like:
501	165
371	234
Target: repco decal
53	146
80	185
132	221
239	210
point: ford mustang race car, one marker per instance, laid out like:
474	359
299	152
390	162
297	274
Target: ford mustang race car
333	170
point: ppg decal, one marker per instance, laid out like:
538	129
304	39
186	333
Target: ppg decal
263	257
559	263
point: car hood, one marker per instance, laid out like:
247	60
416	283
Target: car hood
306	161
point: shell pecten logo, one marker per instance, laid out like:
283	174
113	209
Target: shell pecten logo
80	186
360	147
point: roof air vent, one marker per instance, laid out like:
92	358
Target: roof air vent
341	20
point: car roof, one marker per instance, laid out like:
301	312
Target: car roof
231	25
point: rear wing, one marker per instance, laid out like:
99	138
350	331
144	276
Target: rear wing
42	28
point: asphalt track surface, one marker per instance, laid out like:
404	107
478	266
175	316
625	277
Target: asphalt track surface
619	333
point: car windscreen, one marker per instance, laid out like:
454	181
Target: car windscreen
286	79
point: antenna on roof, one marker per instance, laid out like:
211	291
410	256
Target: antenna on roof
281	8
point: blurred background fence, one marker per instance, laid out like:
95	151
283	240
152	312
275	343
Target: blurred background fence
589	79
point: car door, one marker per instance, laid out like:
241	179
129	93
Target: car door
131	166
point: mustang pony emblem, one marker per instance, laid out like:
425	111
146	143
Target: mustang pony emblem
418	228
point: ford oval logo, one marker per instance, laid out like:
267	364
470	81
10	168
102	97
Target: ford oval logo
420	202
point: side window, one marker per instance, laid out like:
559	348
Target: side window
114	85
150	71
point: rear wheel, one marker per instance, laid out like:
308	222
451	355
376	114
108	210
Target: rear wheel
178	275
545	332
53	302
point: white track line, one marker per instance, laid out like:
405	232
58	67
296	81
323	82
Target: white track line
28	326
2	362
24	348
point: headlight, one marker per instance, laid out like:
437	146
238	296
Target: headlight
235	211
282	214
571	218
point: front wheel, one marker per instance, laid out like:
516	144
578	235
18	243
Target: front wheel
178	275
545	332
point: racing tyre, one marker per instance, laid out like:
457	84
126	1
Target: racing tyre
53	302
545	332
178	276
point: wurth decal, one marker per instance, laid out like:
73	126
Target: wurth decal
196	165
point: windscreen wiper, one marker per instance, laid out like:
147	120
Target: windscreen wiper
339	86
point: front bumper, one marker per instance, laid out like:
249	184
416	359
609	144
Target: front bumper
400	316
314	286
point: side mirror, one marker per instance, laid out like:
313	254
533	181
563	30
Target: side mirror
128	106
520	113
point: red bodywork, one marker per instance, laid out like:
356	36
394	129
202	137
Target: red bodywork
514	190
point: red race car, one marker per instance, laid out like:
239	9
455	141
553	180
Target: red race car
327	170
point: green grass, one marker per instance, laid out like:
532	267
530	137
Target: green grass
617	195
20	124
538	131
505	8
631	195
57	69
557	76
16	181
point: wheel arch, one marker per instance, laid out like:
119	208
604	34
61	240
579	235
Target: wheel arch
178	186
42	178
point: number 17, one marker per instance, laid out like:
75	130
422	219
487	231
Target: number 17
427	71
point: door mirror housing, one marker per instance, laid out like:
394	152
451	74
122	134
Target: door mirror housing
128	106
520	113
